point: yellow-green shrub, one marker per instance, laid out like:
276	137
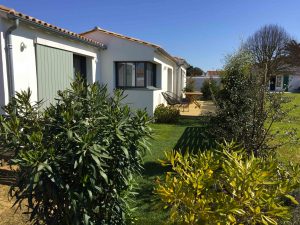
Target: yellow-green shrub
227	187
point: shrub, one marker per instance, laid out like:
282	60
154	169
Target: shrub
209	88
190	85
228	187
76	158
166	114
246	110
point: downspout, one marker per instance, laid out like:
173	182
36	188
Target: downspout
178	71
9	58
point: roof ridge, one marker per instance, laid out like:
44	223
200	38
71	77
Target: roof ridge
159	48
120	35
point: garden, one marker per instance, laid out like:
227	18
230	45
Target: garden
90	159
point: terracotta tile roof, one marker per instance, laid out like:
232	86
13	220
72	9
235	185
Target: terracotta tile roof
214	73
181	61
160	49
49	26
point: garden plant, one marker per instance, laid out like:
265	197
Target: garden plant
77	158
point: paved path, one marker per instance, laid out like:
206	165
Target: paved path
207	107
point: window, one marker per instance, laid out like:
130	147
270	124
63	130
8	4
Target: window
79	65
135	74
278	81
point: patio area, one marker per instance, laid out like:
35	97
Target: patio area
207	107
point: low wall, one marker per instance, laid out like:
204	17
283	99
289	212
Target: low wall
200	80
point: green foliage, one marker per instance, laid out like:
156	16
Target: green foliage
76	158
246	110
190	85
228	187
209	88
166	114
194	71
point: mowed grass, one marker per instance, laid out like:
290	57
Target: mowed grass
290	152
187	133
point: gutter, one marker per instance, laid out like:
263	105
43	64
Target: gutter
9	58
166	55
101	47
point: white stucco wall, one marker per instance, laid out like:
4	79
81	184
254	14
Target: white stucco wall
140	99
294	83
24	61
119	49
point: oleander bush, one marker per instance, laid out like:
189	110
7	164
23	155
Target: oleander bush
166	114
76	158
228	186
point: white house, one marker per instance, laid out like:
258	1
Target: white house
290	83
143	69
37	55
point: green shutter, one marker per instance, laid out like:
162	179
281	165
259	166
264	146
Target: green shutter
286	83
54	72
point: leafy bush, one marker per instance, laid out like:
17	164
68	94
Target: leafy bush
190	85
209	88
76	158
228	187
246	110
166	114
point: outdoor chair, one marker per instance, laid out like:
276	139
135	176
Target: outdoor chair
174	100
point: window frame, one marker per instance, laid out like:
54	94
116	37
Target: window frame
135	75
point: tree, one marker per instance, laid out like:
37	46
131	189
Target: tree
246	111
194	71
293	53
268	48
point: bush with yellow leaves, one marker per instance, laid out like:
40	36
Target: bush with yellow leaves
227	186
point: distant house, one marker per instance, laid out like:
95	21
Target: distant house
37	55
290	83
213	73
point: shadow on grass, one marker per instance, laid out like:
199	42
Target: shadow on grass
195	139
192	120
155	169
195	136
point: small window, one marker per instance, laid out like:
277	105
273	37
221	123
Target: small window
135	74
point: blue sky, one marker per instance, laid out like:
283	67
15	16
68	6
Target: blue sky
203	32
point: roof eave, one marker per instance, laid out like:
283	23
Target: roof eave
13	16
167	55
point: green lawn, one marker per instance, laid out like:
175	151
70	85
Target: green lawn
291	152
190	133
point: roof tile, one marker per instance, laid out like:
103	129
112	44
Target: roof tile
48	25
